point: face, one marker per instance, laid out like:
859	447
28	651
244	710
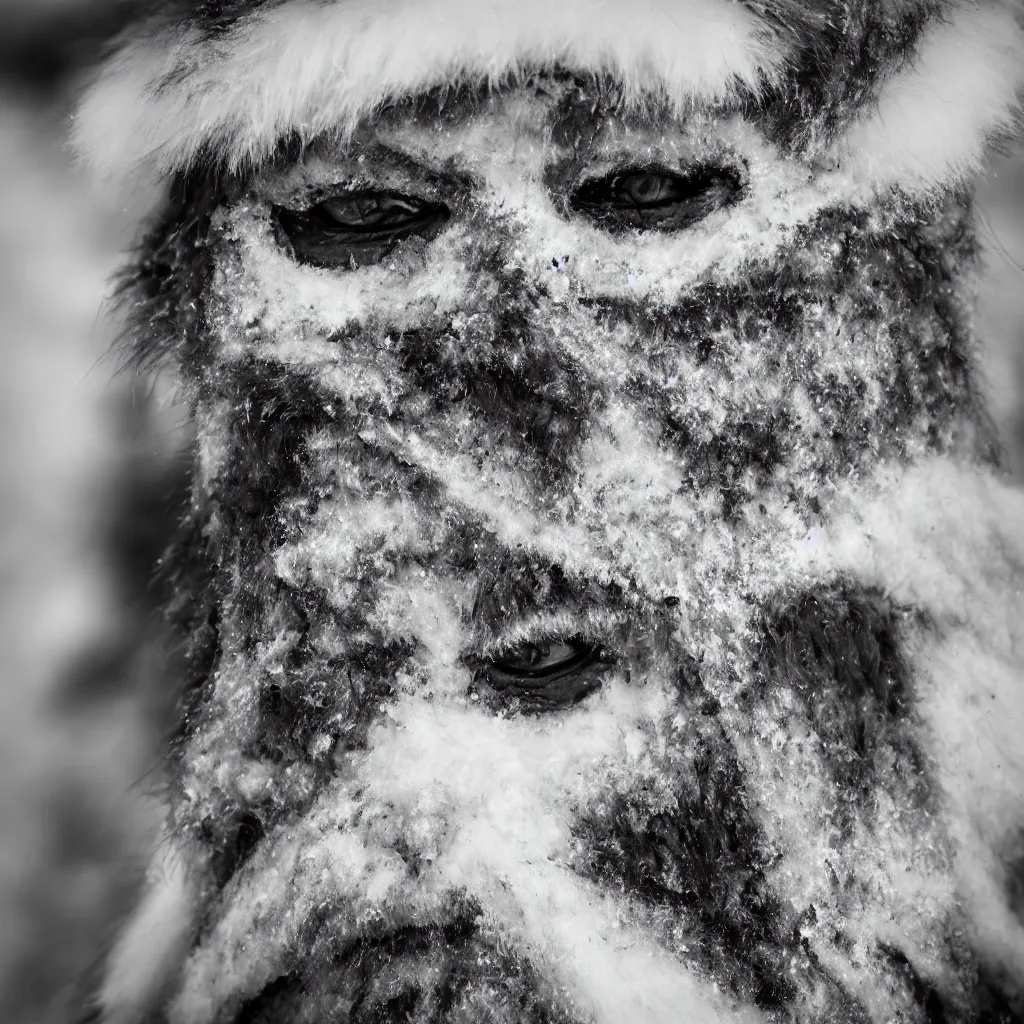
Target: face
558	639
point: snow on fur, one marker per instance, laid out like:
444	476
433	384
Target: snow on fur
314	67
931	125
177	92
744	460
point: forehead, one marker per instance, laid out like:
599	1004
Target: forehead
544	118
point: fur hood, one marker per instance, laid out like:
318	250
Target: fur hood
899	92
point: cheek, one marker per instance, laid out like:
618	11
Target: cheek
266	302
464	782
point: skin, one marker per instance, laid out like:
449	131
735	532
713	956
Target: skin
533	429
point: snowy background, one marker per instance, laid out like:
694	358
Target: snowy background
91	464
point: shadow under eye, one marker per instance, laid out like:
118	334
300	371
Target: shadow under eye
356	229
544	676
654	199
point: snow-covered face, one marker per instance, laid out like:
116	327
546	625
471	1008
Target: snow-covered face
562	662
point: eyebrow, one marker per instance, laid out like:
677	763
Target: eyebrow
594	622
587	102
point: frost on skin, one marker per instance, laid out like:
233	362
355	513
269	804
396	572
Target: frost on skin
657	451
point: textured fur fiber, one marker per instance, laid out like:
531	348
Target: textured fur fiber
747	461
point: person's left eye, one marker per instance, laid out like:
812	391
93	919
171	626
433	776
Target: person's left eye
651	199
546	675
358	227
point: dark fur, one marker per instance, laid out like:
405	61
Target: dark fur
841	654
364	988
846	50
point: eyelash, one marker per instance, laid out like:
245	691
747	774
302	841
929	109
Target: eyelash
360	227
357	227
525	679
616	201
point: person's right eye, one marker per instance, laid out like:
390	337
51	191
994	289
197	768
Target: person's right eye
358	228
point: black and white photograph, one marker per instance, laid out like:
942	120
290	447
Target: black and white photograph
513	512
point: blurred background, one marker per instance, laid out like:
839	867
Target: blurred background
92	465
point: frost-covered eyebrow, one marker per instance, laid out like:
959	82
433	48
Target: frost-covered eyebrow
571	111
595	623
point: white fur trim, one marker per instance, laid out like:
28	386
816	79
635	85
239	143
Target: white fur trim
312	67
153	943
932	122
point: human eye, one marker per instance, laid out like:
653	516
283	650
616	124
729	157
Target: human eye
357	228
543	675
654	199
